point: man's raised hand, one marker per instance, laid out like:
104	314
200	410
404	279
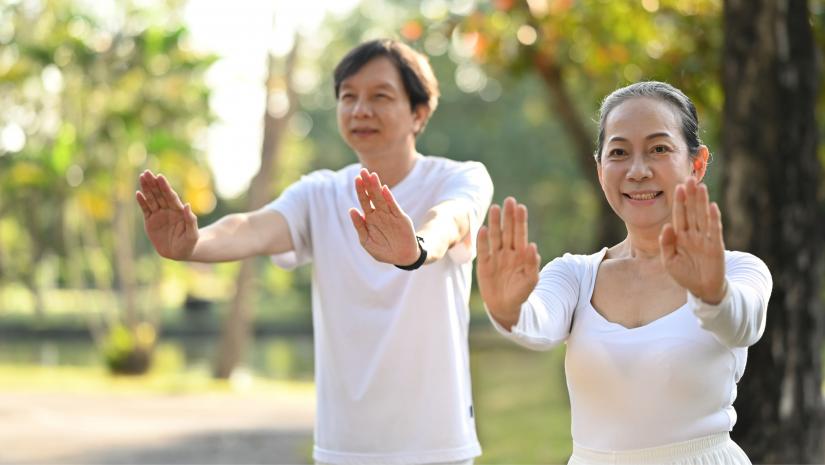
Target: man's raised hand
170	225
384	230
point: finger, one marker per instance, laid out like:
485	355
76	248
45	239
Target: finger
144	207
690	206
359	223
374	190
520	230
169	194
531	258
667	242
157	192
189	217
702	209
363	197
482	245
508	228
715	225
154	191
679	220
146	189
494	223
392	205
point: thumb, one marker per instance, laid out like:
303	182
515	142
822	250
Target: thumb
667	241
189	218
359	223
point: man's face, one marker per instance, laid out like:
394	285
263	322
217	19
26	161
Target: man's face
374	114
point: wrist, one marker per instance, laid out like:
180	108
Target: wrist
715	296
422	256
506	318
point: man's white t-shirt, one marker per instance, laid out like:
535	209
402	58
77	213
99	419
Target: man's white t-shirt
391	359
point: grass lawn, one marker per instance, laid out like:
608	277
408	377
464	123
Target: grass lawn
522	408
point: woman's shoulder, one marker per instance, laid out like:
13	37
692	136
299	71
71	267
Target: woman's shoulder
737	257
577	263
739	263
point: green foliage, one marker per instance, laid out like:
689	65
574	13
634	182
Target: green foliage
129	351
95	100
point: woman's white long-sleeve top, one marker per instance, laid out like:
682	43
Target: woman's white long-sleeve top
671	380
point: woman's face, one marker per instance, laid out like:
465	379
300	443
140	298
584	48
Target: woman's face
643	159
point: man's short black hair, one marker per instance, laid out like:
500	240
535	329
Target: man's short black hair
416	73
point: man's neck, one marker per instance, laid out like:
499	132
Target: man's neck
391	168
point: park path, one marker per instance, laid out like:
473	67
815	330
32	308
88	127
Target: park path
140	428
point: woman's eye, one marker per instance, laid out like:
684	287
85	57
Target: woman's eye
660	149
616	152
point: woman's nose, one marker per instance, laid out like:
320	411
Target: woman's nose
639	169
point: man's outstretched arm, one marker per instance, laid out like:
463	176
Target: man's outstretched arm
173	228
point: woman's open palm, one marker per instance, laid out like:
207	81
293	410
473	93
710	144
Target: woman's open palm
507	267
692	246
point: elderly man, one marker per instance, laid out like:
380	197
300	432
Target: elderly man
391	241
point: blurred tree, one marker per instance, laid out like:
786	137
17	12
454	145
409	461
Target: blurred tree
773	207
281	105
583	50
87	100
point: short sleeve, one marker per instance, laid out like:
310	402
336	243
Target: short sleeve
294	204
471	185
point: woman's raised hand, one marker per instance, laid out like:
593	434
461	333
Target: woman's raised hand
692	247
170	225
507	266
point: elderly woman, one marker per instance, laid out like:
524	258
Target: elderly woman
657	326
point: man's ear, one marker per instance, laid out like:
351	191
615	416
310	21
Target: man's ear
421	114
700	163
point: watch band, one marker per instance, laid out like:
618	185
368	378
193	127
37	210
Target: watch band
421	258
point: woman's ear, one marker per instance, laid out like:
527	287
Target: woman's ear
700	163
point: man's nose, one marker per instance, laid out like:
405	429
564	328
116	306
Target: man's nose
361	108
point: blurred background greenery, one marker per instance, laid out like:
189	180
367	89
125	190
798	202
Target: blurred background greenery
92	93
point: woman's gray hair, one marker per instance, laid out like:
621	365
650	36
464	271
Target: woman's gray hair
656	90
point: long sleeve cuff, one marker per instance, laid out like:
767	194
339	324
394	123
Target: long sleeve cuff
737	321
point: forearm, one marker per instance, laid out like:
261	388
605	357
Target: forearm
243	235
227	239
739	319
444	226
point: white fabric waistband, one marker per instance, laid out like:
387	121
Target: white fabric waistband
661	454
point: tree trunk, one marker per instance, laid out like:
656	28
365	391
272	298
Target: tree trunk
609	228
772	174
237	327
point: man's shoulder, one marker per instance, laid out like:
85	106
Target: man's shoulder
448	166
330	179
